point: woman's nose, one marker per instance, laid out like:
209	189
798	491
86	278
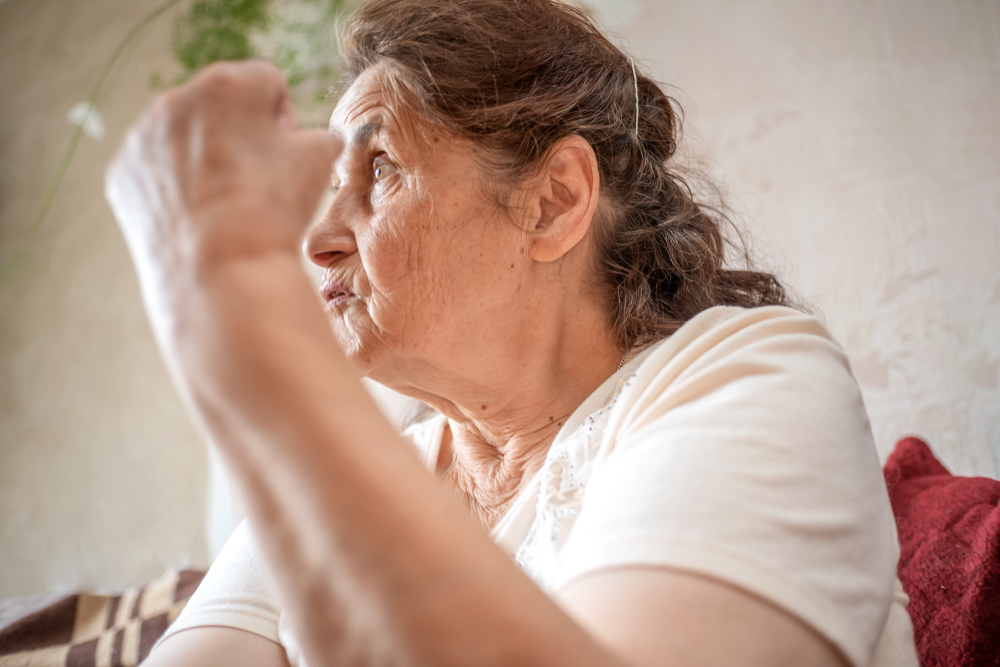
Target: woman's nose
329	241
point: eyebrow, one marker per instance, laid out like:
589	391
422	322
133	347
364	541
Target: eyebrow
364	133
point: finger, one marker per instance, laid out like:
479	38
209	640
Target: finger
315	153
286	114
271	81
248	83
274	87
333	141
318	151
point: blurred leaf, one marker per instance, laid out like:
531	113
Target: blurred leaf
214	30
295	35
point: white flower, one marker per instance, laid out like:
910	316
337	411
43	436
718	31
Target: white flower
89	118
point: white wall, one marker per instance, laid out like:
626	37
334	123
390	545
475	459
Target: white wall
861	139
102	479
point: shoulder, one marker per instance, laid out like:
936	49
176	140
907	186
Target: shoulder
724	331
762	398
740	449
772	358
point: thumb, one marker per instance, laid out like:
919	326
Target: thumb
320	149
285	115
315	153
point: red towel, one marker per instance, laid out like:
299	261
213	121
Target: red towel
949	564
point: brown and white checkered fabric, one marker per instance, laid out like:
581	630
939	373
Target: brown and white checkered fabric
98	630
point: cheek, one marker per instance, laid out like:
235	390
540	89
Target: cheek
407	267
436	274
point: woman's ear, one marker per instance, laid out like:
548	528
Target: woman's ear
564	200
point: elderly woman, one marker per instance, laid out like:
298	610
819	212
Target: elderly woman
637	457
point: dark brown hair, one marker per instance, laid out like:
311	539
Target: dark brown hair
515	77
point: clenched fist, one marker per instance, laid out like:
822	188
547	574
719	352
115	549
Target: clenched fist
217	170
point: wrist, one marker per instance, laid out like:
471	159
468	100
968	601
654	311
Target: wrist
245	233
259	272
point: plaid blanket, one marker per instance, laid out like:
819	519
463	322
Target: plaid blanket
98	630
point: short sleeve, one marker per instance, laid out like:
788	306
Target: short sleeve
236	593
747	456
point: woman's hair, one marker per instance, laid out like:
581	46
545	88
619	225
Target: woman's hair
515	77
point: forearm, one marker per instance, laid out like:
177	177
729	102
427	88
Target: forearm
369	552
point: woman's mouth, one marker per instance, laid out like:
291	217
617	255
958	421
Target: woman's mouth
335	293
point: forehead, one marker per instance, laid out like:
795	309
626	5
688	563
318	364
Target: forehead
367	109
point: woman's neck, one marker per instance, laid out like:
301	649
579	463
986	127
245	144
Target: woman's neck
490	470
507	389
499	439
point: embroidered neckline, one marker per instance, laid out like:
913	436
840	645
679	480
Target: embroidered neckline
563	481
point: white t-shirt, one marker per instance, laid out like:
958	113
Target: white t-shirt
737	449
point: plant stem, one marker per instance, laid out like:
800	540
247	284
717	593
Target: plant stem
6	269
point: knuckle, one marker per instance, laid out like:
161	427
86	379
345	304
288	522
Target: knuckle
166	110
270	70
166	105
218	73
229	81
165	102
217	80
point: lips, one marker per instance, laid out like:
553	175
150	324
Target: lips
335	292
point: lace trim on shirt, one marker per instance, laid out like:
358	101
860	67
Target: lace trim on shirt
564	478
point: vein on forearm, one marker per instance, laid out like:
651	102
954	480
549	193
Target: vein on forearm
365	546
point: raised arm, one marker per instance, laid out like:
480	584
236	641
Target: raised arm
374	561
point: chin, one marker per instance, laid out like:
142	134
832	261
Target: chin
348	341
376	359
378	369
367	356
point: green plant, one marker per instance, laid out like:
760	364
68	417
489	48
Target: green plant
296	35
11	261
214	30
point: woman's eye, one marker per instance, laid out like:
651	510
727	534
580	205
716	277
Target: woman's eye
381	170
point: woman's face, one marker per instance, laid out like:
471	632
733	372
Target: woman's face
422	273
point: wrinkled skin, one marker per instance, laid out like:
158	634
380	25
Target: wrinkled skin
444	295
494	321
441	274
231	178
410	234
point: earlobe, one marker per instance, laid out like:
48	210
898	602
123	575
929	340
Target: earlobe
566	199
